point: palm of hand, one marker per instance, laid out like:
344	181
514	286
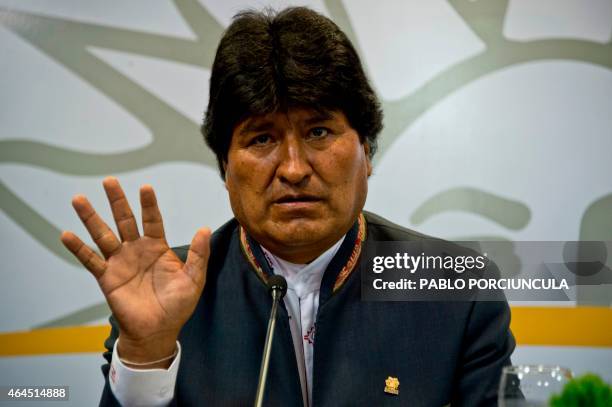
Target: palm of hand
157	292
148	288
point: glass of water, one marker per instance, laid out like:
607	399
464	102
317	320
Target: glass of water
531	385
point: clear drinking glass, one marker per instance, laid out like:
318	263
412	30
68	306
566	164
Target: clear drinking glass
531	385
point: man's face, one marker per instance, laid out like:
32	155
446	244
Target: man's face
297	180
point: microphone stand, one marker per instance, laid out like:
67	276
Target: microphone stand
278	287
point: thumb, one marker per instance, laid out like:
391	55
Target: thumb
197	258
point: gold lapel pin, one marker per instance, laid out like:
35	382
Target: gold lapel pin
392	385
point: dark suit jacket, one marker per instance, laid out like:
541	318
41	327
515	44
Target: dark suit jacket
441	352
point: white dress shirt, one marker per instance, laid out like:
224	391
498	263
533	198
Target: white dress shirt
302	303
155	387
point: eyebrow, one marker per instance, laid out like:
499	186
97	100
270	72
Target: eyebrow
256	126
318	117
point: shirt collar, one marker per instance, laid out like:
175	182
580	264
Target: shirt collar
302	278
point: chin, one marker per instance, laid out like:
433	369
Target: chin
304	232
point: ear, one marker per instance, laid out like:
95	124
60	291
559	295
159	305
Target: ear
225	172
366	149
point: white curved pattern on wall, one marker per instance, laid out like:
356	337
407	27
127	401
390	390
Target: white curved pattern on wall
493	104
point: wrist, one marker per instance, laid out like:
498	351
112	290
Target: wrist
158	349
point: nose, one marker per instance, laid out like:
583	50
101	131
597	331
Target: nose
294	166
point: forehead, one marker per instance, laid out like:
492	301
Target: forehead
294	116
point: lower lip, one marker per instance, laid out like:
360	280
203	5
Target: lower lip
297	205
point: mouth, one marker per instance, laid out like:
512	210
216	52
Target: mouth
297	200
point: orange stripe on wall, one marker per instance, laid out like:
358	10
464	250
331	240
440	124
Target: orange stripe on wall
74	339
548	326
580	326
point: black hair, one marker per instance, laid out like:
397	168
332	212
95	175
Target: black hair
271	61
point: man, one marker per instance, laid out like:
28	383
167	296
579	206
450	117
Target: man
293	122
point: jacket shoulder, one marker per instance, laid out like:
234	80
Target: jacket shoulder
218	241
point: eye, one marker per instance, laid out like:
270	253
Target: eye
319	132
261	140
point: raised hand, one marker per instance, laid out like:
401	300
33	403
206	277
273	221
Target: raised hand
150	291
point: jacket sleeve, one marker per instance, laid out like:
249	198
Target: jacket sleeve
488	344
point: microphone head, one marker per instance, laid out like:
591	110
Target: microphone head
277	283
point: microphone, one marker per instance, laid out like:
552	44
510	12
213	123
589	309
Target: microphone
277	286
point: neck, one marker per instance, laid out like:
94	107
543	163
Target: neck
299	255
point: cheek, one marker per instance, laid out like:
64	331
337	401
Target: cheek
242	173
246	181
349	169
354	162
237	183
252	168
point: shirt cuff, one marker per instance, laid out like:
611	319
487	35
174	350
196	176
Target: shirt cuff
140	387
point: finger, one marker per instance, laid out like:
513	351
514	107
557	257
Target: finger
152	224
124	218
99	231
197	258
90	259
